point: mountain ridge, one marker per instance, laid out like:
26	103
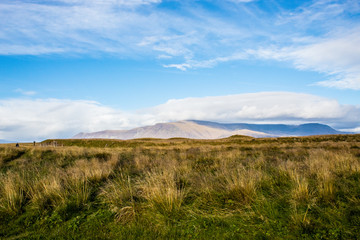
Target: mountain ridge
198	129
3	141
276	129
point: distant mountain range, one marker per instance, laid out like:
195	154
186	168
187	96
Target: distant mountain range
6	141
212	130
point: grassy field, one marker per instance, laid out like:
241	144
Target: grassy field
233	188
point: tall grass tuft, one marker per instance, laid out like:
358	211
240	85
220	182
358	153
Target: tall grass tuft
92	170
118	194
48	191
162	192
240	184
79	189
12	193
301	191
321	164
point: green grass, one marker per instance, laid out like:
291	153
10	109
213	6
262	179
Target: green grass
233	188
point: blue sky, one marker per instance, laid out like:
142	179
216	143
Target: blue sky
77	65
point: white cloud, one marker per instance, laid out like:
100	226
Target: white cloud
24	92
333	50
180	66
72	26
51	118
338	57
319	35
124	28
54	118
191	64
241	1
108	2
352	130
264	106
323	15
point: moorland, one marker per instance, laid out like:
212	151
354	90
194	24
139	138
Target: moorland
233	188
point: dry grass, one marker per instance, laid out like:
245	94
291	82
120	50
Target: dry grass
161	190
158	183
91	170
12	192
324	165
118	194
301	191
48	191
239	182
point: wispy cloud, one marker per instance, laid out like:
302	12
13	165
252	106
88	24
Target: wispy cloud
324	15
70	26
190	64
24	92
319	35
329	48
120	27
241	1
54	118
338	57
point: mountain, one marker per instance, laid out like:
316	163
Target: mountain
276	129
183	129
212	130
6	141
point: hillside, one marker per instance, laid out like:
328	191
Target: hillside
212	130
